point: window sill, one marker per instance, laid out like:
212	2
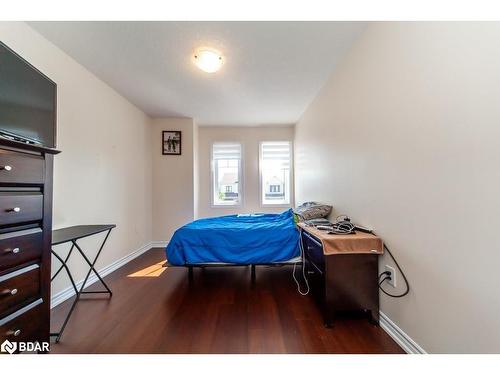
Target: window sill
226	206
277	205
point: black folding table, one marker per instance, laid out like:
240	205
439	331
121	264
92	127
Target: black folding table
73	234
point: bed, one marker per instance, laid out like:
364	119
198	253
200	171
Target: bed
236	240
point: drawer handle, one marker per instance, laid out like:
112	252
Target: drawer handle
6	168
14	332
9	292
15	209
13	251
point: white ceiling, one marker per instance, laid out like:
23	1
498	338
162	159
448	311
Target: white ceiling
272	70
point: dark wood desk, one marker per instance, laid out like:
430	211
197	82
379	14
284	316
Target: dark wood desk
72	235
342	280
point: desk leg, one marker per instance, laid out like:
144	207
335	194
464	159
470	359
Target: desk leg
77	293
92	267
63	262
374	317
81	290
328	315
63	265
63	327
190	274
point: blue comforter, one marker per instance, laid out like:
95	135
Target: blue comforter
252	239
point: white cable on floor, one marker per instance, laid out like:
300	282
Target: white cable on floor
303	271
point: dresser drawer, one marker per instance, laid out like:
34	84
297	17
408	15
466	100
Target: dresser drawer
21	168
23	325
18	207
18	287
20	247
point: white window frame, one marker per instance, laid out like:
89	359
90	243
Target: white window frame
291	200
240	177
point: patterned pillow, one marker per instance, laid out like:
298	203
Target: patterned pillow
312	210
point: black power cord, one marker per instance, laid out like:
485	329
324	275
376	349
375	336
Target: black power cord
343	225
389	278
388	273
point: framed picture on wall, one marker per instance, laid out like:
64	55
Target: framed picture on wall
171	142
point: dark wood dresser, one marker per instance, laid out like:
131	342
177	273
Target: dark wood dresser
342	281
25	240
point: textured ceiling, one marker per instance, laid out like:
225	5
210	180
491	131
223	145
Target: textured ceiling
272	70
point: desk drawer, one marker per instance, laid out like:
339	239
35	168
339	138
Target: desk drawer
316	279
21	168
23	325
18	287
18	207
20	247
314	252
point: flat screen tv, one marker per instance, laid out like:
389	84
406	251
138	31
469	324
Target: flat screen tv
27	101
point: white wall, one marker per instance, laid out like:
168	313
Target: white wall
249	137
404	137
173	179
103	174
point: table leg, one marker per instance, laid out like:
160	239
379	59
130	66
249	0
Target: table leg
92	266
81	291
63	263
63	327
190	274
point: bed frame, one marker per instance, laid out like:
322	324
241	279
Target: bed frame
190	267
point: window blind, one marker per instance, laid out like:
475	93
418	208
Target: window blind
226	151
276	153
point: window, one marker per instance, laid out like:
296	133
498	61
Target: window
275	172
226	174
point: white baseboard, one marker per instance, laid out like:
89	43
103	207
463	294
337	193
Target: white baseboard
159	244
398	335
69	292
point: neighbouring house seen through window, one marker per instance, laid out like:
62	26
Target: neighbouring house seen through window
274	188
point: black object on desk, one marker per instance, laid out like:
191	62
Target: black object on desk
72	234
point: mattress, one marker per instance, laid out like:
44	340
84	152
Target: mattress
236	239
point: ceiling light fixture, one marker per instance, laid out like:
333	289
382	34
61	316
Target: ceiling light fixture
208	60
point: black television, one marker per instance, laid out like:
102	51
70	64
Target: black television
27	101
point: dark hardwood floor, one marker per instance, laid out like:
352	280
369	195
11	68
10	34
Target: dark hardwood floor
155	310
